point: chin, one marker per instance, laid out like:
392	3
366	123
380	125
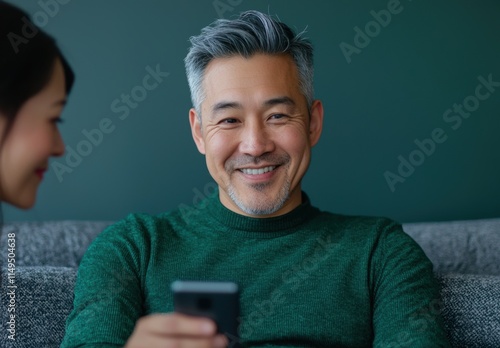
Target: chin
259	204
23	203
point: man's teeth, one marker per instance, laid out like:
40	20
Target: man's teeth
258	171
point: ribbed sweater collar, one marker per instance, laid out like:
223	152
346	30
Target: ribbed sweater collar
279	224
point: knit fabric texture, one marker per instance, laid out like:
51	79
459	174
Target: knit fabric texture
471	310
51	243
307	278
43	297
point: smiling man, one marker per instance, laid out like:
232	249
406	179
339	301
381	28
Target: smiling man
256	130
307	278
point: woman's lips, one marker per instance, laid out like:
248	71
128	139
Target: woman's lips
40	172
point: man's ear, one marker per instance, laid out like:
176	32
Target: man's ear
316	122
195	121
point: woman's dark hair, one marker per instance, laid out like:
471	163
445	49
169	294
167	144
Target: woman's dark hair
27	61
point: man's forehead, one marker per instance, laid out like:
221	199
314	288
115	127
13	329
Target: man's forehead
266	79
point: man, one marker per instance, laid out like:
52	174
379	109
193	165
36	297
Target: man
307	278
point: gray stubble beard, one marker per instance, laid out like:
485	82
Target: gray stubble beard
262	207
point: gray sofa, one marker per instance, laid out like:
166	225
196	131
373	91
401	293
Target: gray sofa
466	256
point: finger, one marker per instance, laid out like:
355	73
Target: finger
176	324
150	341
218	341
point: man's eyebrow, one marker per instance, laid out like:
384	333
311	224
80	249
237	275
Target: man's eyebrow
280	100
223	105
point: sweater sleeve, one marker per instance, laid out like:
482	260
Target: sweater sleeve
406	299
108	296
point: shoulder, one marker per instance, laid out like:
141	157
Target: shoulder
137	229
132	241
131	225
358	226
372	232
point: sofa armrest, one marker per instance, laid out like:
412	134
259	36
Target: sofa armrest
469	247
51	243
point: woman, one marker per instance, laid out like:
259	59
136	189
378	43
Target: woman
35	80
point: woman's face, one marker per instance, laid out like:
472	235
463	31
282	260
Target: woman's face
31	141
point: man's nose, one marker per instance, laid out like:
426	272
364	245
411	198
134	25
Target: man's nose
256	140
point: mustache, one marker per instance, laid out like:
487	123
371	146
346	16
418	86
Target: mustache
268	158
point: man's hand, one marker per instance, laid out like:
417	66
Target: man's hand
175	330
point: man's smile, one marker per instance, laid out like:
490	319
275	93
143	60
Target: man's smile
257	171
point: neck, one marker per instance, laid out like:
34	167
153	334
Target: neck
293	200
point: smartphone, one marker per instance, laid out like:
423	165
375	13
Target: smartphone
218	301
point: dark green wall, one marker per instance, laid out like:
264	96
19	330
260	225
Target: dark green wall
394	88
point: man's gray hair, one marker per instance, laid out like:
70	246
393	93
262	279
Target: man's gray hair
253	32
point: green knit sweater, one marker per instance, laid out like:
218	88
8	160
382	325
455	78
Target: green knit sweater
307	278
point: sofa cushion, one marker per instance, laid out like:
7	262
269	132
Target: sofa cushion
465	247
471	309
43	301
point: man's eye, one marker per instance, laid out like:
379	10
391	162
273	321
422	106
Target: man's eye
229	121
278	116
